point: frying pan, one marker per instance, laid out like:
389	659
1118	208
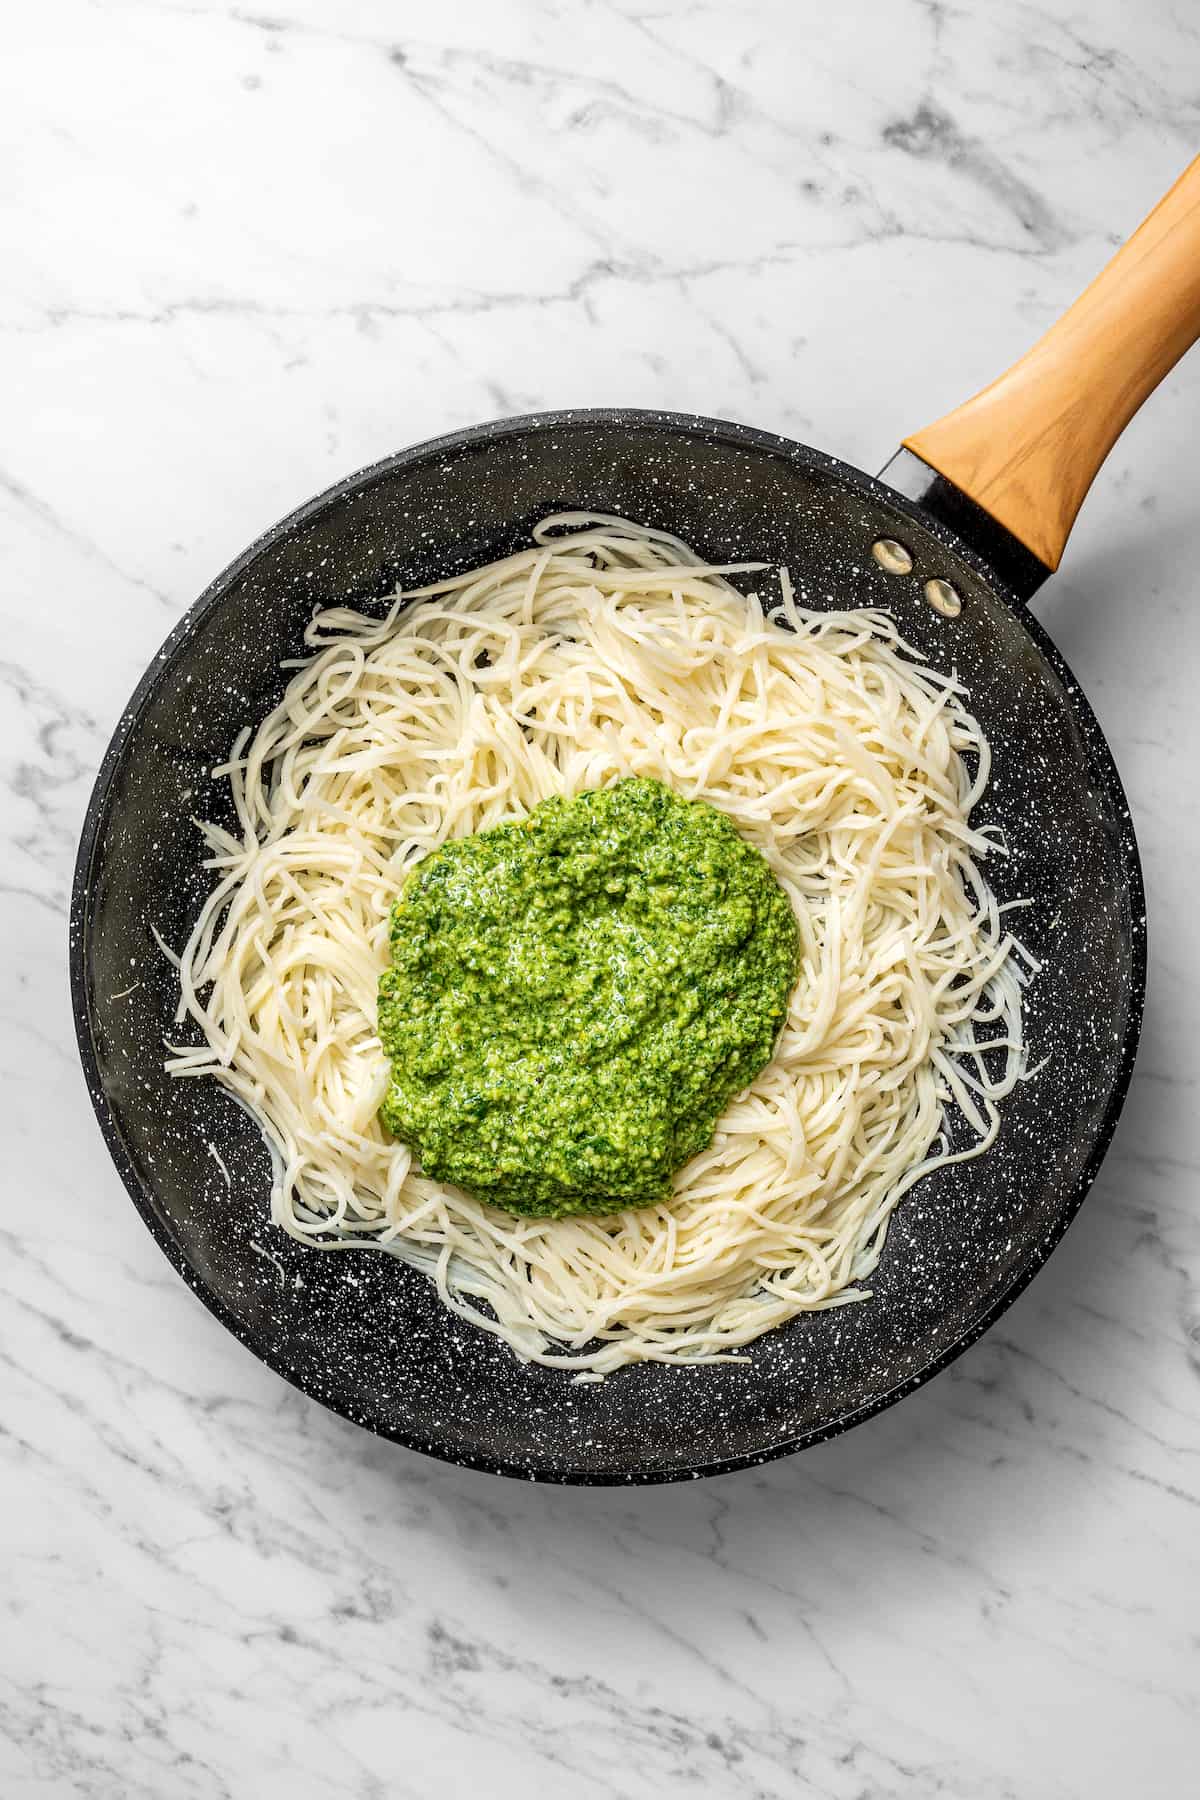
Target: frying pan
954	539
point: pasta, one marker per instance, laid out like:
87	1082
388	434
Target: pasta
605	650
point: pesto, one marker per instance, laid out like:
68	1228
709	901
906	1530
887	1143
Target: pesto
573	999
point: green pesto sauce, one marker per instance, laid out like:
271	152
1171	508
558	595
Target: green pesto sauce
573	999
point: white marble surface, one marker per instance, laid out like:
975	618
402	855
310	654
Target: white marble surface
245	250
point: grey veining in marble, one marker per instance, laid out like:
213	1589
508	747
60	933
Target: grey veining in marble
246	249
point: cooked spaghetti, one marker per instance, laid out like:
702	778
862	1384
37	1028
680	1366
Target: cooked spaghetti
608	650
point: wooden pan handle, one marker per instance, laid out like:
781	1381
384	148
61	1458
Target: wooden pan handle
1027	448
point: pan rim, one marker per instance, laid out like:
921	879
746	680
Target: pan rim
98	807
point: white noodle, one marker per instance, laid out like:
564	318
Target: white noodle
607	650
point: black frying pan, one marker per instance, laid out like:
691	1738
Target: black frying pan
369	1337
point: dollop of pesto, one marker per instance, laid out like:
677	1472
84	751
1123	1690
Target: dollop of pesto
573	999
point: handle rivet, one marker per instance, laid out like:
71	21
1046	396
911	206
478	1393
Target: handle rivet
943	598
892	556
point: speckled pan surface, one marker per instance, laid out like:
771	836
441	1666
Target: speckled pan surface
365	1335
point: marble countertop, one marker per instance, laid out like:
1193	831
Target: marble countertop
247	250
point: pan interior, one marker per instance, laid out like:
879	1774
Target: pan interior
368	1336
